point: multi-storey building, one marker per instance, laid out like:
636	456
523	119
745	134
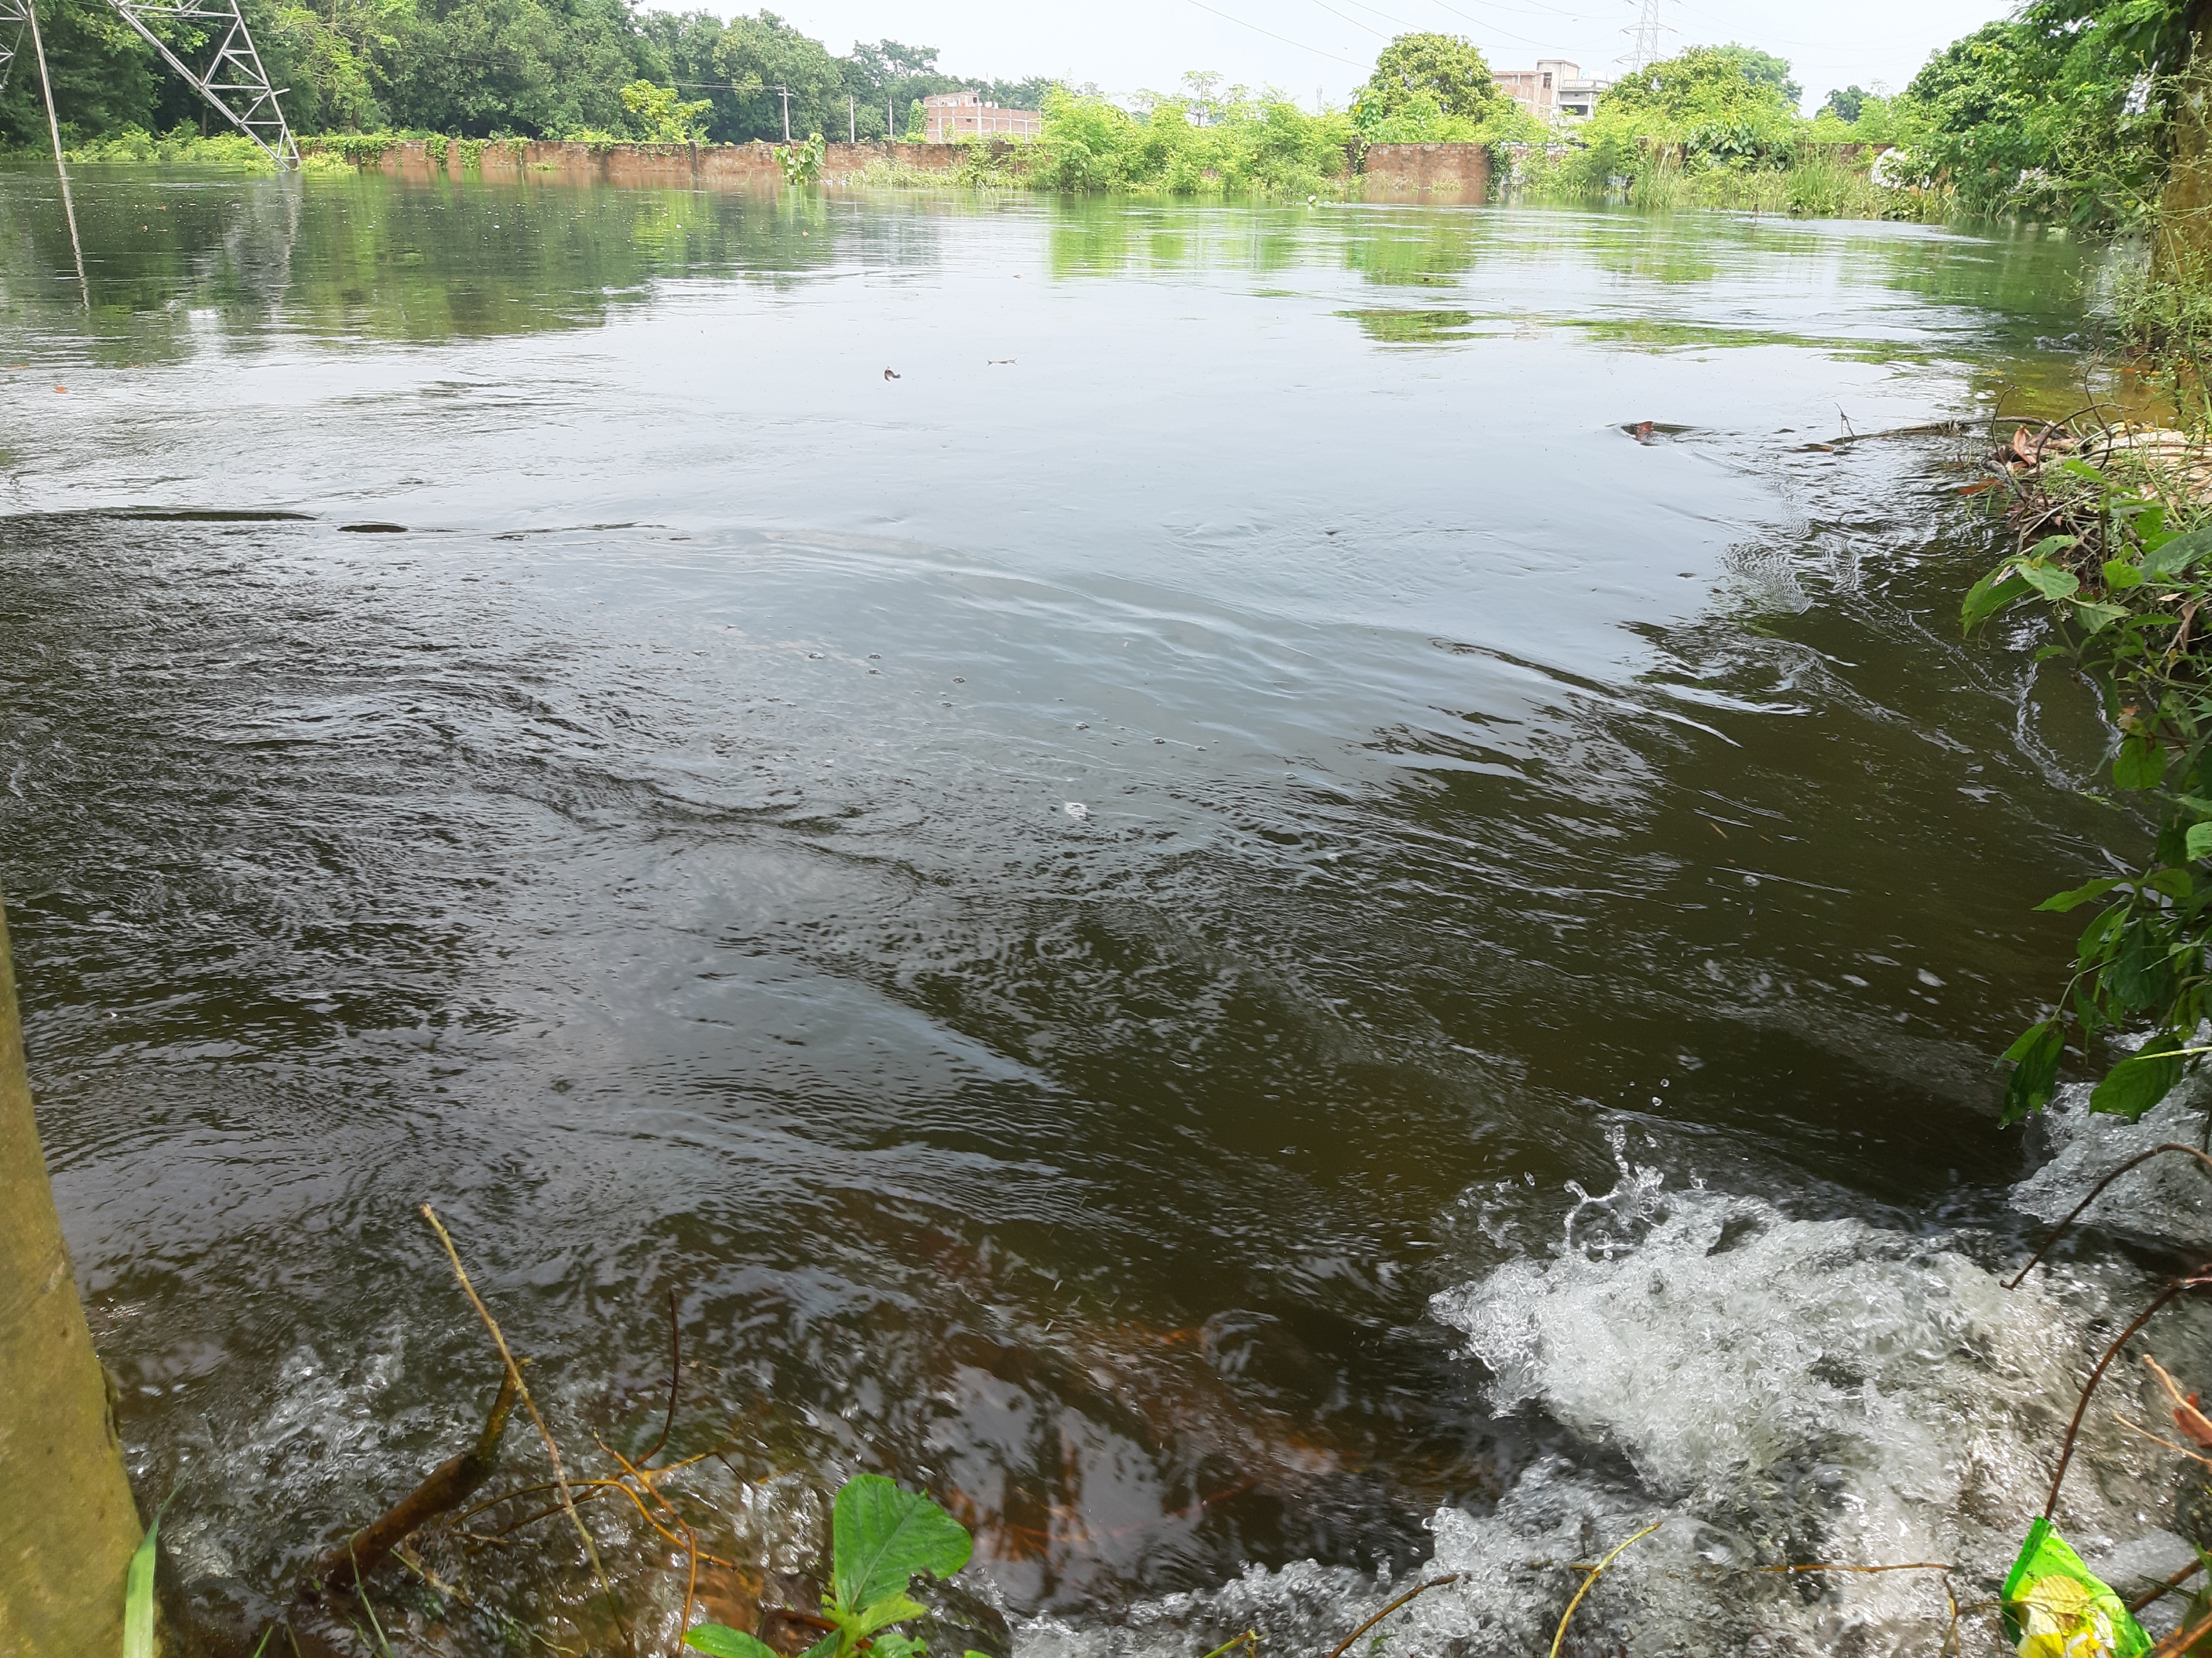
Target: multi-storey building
1554	86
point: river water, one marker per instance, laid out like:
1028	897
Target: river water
1145	854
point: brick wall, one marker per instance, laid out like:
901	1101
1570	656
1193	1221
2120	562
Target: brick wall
689	167
1459	171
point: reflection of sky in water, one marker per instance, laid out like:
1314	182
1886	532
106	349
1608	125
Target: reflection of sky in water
656	847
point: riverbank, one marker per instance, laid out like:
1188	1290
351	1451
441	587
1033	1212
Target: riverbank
1824	182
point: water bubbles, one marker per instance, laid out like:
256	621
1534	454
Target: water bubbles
1077	810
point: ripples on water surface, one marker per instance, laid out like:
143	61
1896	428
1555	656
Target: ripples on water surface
1056	900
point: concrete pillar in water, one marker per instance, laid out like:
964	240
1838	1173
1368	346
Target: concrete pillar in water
68	1525
2183	247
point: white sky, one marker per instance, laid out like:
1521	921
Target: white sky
1331	44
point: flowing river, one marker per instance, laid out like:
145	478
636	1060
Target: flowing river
1167	876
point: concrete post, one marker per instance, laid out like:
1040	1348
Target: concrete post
67	1526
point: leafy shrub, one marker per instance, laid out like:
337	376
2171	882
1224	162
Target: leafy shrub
881	1540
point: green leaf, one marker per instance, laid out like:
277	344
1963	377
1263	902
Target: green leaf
2172	882
2120	575
2170	558
891	1609
2060	903
2051	580
2034	1056
2137	1084
897	1646
882	1536
2140	974
1999	588
2095	618
720	1641
827	1647
2097	937
138	1596
2140	764
2199	841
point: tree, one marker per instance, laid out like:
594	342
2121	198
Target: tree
659	115
1445	67
762	52
1846	105
67	1526
2052	111
1763	69
1702	87
103	76
540	67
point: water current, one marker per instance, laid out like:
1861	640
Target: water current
1167	876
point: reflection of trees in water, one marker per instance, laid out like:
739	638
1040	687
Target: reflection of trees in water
384	259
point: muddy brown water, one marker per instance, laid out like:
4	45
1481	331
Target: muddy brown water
1051	899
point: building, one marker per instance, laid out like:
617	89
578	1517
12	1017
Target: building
1554	86
951	115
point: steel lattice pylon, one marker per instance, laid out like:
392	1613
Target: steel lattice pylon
232	80
1645	36
14	20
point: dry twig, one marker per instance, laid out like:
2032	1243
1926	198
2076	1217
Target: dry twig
1596	1572
522	1387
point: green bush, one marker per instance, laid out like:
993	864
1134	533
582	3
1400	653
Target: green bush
1226	143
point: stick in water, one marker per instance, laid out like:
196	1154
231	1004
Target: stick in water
1596	1571
515	1375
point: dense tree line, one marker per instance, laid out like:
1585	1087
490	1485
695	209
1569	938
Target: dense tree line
477	68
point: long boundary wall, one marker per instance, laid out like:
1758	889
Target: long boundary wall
693	166
1392	172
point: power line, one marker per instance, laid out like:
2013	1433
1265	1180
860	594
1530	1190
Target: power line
1348	18
1272	35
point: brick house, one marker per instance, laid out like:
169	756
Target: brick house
949	115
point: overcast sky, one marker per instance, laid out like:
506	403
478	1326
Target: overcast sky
1303	46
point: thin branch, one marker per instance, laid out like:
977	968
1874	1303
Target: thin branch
2179	1450
552	1449
1596	1572
2097	1191
675	1379
2074	1428
1909	1565
1417	1590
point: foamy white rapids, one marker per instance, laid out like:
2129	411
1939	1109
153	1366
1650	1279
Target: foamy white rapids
2169	1197
1775	1391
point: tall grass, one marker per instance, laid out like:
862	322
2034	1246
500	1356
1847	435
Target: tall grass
1819	184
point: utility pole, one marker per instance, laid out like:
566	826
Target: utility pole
785	91
890	127
851	120
61	167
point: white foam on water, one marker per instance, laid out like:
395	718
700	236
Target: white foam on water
2169	1197
1775	1391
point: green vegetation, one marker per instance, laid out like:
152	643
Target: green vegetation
1437	88
2058	113
2120	582
547	69
2062	110
881	1540
1205	139
1718	127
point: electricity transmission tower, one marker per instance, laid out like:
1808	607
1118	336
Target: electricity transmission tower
230	76
1644	45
